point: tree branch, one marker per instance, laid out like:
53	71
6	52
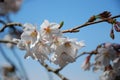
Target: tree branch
88	23
7	41
10	25
49	69
2	22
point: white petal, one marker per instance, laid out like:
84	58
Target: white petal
26	35
28	27
45	24
21	45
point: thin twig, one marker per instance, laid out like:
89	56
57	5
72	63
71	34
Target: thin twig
10	25
49	69
2	22
88	23
7	41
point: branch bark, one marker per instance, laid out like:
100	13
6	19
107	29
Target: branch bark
7	41
50	69
10	25
87	24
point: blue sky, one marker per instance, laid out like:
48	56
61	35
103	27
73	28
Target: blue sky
73	13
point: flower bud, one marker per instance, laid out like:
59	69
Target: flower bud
105	14
112	33
93	18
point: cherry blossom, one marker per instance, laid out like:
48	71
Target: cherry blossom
41	51
67	52
48	44
9	6
8	72
29	33
108	75
49	30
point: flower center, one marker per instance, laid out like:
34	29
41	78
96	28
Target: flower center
106	54
48	30
34	33
67	44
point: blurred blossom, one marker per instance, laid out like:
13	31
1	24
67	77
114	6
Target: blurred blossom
116	26
107	59
108	75
9	37
116	66
8	72
106	54
8	6
86	65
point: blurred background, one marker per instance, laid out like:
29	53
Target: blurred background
73	13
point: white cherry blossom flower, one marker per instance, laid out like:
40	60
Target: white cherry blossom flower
30	33
66	52
105	55
57	41
49	30
29	52
41	51
111	50
28	27
20	44
23	45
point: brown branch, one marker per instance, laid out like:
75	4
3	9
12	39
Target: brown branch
50	69
7	41
88	23
10	25
2	22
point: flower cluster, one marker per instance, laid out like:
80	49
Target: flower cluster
107	59
48	44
